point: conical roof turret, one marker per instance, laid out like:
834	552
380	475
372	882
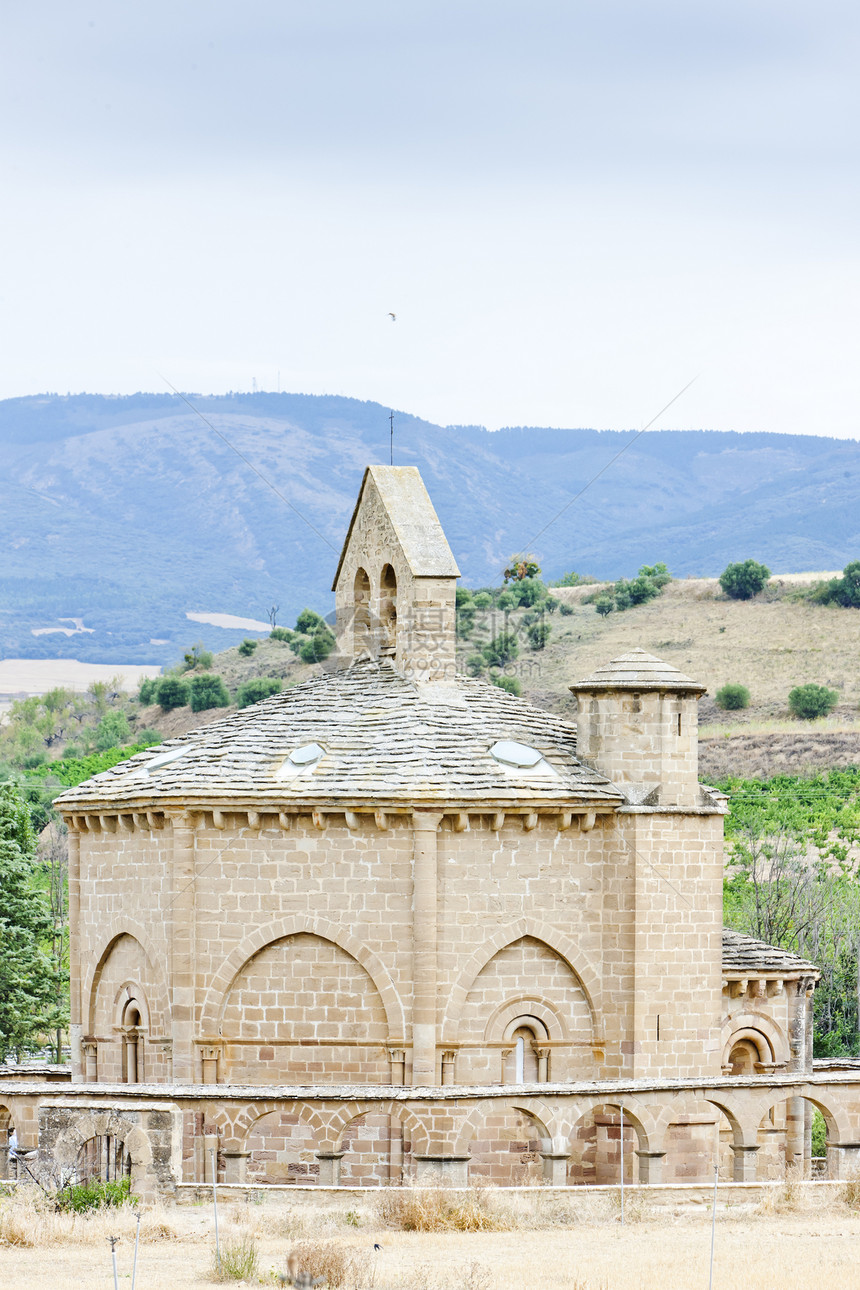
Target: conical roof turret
638	670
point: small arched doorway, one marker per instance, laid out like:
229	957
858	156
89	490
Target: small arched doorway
104	1158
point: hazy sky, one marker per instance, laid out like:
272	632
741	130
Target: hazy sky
573	208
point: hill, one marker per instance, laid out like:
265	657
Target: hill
128	513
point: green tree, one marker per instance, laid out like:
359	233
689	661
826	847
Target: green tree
811	701
281	634
259	687
522	567
604	605
482	599
29	985
171	693
208	691
475	664
146	693
502	649
317	647
539	634
198	656
843	591
744	580
112	731
531	591
508	683
308	622
246	649
732	697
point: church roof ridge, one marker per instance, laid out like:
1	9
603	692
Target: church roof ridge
413	518
379	736
638	670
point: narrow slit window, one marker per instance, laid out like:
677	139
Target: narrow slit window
679	723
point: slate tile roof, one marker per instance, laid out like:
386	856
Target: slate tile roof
638	670
744	955
384	739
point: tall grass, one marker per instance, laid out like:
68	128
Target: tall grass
29	1219
433	1210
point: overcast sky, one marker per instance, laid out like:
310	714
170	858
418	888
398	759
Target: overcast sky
572	208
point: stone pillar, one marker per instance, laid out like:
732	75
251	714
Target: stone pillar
182	950
397	1062
329	1162
448	1059
75	1010
543	1065
745	1163
395	1151
425	825
235	1164
651	1166
795	1126
555	1168
843	1161
90	1053
444	1171
209	1058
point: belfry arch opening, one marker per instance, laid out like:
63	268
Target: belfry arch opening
361	619
388	611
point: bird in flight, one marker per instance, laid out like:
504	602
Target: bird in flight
392	316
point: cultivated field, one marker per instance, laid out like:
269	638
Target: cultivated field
790	1239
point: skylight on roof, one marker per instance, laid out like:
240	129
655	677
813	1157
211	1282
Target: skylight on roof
164	759
306	755
511	753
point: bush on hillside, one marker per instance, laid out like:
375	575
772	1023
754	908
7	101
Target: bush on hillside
566	609
732	697
502	649
147	737
281	634
317	647
246	649
308	622
744	580
811	701
843	591
197	656
208	691
259	687
146	693
539	634
508	683
604	605
482	599
573	580
475	664
171	693
527	593
112	731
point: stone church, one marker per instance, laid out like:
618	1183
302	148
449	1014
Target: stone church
397	919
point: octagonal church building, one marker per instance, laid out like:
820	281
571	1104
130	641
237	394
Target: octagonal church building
395	922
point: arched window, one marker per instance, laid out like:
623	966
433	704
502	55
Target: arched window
388	611
743	1057
132	1057
522	1064
361	618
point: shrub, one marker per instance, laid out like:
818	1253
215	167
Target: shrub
539	634
95	1194
112	730
246	649
604	605
208	691
146	737
239	1260
171	693
811	701
281	634
482	599
732	697
506	601
317	647
465	621
259	687
475	664
508	683
197	656
308	622
566	609
843	591
502	649
427	1209
527	593
146	693
463	596
744	580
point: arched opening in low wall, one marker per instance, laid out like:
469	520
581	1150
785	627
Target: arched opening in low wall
282	1149
104	1158
506	1147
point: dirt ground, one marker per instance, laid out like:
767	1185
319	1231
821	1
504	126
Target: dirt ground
786	1241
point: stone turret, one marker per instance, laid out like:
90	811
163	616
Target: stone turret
395	584
638	725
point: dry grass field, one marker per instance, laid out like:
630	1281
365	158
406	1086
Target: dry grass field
792	1238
